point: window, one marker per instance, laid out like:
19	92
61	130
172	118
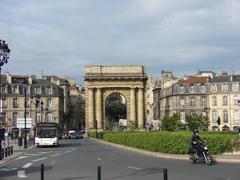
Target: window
214	116
38	90
182	89
3	119
225	116
192	101
49	103
225	101
182	103
4	90
235	87
202	89
192	89
15	103
4	102
15	89
49	117
38	117
49	90
27	114
14	117
214	87
225	87
203	101
214	101
235	100
236	116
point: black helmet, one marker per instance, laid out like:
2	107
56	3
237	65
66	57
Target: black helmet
195	131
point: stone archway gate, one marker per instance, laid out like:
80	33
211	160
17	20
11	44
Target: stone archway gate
101	81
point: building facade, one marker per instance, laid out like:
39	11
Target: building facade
45	100
224	102
216	96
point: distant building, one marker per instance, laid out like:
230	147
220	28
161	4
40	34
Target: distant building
224	102
51	94
186	96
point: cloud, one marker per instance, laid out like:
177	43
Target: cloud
61	36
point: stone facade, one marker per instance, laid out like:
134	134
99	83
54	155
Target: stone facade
102	81
50	94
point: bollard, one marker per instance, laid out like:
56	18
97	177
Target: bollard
165	175
6	152
8	149
42	171
2	153
11	149
99	173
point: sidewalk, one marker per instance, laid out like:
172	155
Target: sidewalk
226	158
16	151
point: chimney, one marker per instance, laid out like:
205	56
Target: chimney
9	78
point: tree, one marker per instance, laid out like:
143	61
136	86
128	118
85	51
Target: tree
172	123
195	121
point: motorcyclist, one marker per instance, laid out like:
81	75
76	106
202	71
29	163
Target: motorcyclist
196	143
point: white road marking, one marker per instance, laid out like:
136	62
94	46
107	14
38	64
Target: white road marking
99	159
27	165
54	155
31	154
131	167
21	174
22	157
35	160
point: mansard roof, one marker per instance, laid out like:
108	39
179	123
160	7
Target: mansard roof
225	78
193	80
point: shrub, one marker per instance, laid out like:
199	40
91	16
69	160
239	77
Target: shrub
173	142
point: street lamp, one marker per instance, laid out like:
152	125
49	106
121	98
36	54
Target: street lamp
4	56
25	85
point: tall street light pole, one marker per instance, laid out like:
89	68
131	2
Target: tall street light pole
25	85
4	56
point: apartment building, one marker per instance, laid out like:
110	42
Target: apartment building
46	99
224	102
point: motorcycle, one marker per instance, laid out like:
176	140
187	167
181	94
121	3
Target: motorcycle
204	156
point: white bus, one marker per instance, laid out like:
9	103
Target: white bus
46	134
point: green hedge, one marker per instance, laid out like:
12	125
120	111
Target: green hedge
172	142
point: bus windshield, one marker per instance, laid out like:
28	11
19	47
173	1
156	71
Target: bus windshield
46	132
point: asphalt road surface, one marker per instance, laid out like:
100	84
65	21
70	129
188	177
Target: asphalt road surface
79	159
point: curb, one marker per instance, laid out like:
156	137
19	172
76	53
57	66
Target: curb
9	158
218	158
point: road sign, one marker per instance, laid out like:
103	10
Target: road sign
21	122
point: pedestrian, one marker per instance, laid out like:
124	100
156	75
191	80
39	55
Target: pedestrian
20	142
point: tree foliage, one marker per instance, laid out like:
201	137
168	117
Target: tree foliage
195	121
115	110
171	123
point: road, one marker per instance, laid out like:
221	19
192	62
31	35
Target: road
78	160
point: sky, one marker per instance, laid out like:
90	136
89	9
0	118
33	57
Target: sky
62	37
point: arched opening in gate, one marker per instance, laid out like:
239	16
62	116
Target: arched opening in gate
115	109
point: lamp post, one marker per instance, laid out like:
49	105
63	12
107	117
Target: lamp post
4	56
25	85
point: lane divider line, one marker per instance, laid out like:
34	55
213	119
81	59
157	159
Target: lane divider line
132	167
27	165
35	160
99	159
54	155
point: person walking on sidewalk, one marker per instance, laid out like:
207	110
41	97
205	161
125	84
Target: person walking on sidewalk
20	142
